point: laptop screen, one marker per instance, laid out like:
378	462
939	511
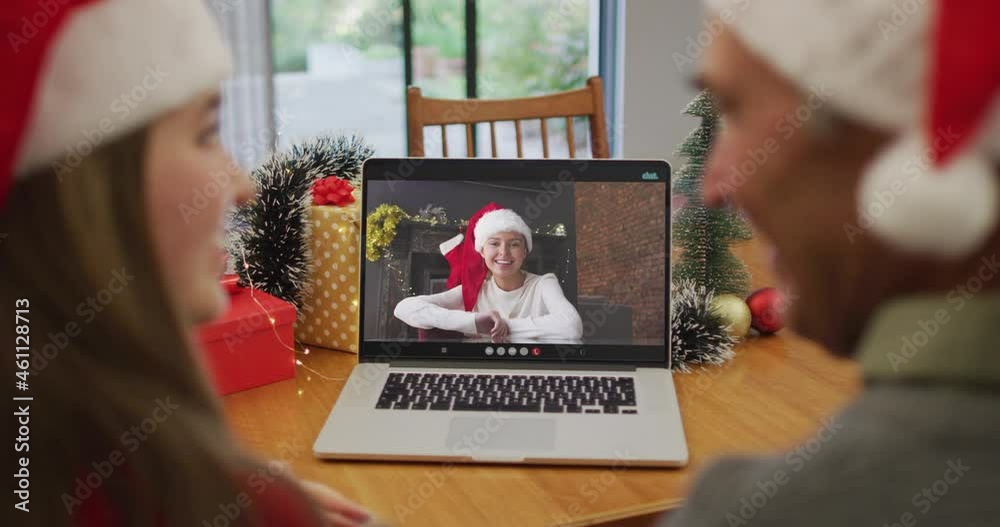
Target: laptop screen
516	260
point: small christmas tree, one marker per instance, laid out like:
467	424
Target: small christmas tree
704	234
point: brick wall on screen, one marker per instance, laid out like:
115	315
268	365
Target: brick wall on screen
621	235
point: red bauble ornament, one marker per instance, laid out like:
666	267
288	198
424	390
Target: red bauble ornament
332	190
767	307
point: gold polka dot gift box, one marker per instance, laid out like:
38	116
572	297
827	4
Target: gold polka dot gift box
329	317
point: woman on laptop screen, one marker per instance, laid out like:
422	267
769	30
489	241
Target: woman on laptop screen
489	294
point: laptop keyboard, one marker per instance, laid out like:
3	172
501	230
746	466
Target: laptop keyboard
577	394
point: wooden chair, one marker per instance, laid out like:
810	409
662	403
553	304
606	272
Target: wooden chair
589	101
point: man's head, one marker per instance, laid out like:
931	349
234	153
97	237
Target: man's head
794	161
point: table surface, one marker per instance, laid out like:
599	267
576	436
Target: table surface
771	396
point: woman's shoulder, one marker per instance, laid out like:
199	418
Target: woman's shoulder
532	278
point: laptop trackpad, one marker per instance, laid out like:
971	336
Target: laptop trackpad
494	433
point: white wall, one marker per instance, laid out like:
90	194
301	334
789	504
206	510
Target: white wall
655	90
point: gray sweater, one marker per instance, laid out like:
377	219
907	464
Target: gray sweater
920	446
901	455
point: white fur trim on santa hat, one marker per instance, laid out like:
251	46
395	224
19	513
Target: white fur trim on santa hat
497	221
117	65
858	53
871	58
449	245
945	211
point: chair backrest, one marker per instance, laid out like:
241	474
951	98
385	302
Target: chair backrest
588	101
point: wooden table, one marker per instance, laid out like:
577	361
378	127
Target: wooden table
770	397
774	393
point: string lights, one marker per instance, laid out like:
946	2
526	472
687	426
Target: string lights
274	327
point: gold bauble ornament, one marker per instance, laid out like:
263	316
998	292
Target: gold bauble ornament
734	312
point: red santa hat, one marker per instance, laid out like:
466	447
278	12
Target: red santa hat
90	71
927	69
463	251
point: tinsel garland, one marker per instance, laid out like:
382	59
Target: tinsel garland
270	235
697	334
381	229
340	156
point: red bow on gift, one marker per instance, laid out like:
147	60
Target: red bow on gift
333	190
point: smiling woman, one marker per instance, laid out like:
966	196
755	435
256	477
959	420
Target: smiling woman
494	297
124	429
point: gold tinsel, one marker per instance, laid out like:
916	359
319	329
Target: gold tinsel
381	229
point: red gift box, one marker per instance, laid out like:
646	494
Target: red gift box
242	350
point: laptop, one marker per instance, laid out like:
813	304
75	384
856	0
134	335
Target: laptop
512	311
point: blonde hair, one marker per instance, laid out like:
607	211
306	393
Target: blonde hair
109	354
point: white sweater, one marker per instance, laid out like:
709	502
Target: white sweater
538	310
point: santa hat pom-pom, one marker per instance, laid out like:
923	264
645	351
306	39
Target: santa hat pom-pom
945	211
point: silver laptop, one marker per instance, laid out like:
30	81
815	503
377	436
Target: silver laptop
512	311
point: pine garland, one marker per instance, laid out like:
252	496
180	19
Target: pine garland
270	239
705	234
697	334
340	156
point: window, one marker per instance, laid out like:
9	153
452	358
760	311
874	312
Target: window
343	65
338	66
